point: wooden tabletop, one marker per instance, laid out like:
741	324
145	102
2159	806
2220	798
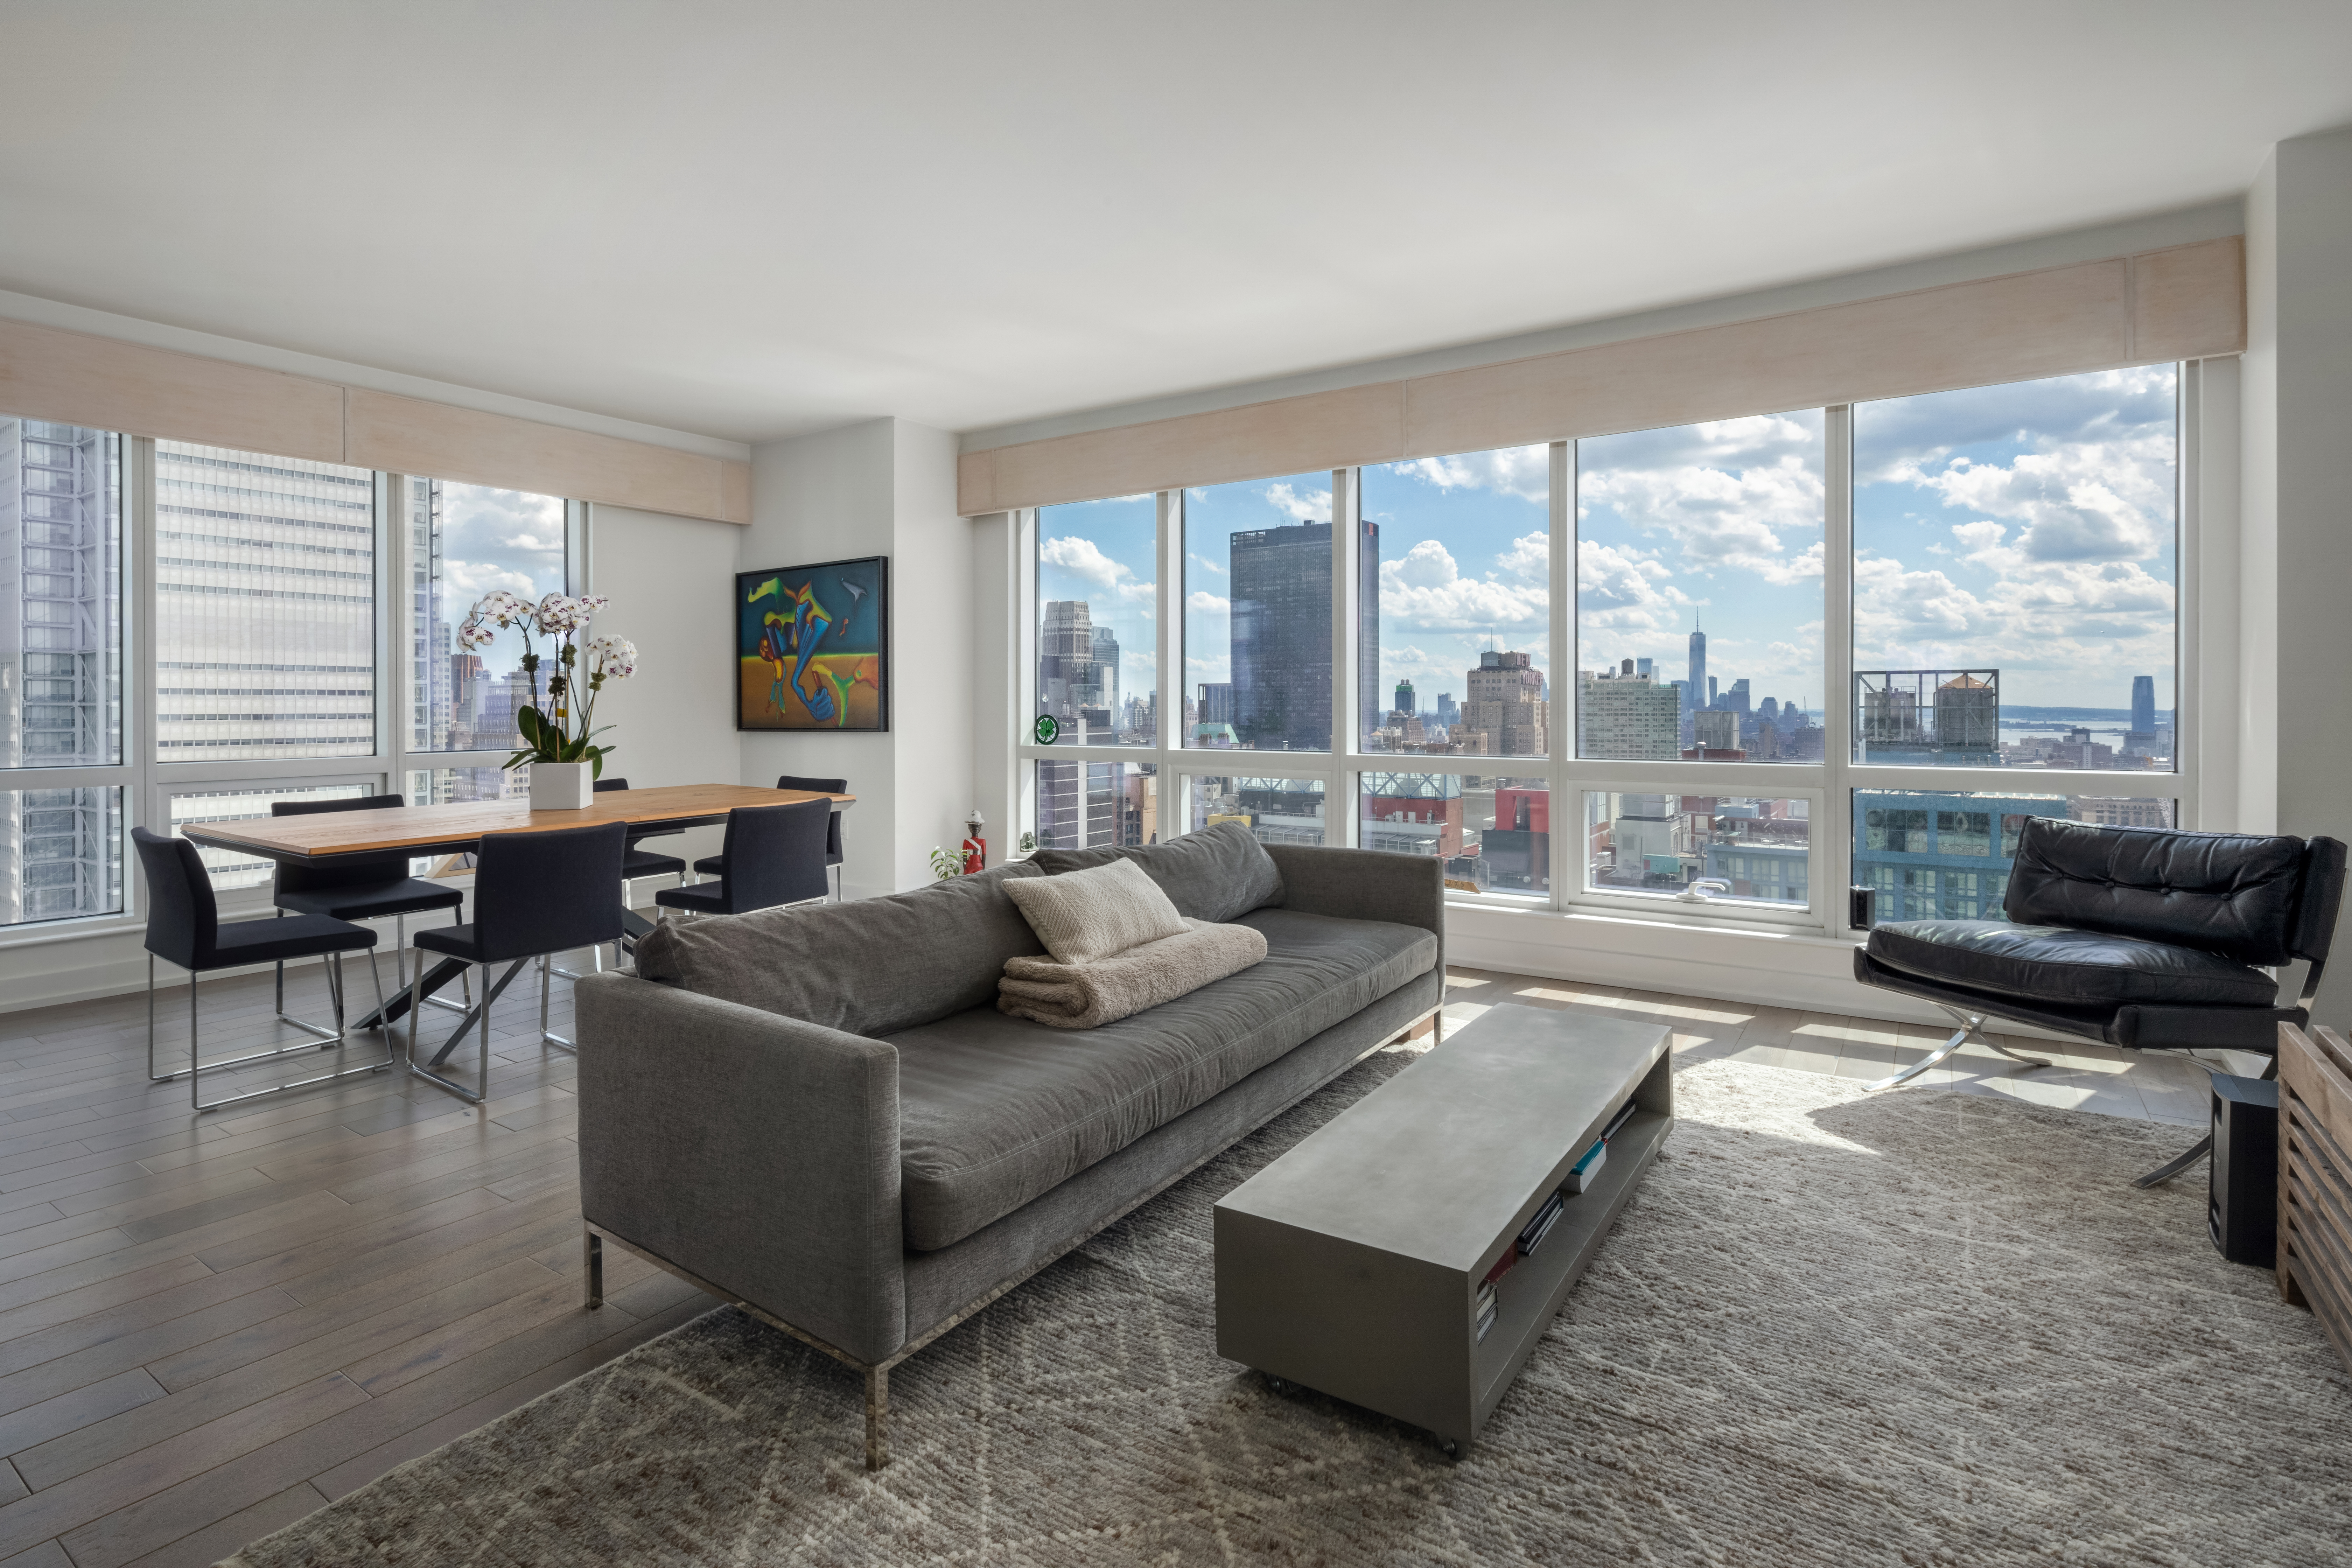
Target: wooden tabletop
421	828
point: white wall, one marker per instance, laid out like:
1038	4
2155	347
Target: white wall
2256	710
2298	428
670	580
881	488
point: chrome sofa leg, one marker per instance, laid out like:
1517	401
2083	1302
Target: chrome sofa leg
878	1418
592	1260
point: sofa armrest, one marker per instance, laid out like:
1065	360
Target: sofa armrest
1365	885
756	1151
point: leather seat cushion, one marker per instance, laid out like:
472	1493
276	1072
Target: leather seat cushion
2058	963
994	1111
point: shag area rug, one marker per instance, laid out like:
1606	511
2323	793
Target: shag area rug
1917	1327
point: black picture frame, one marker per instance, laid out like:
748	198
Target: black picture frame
770	622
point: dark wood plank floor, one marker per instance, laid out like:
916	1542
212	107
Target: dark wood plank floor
209	1325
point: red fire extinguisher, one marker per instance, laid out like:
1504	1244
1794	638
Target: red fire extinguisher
975	847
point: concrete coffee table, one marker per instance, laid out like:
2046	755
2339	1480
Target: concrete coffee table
1353	1264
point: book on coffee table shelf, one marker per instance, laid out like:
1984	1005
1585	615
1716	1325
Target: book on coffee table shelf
1580	1174
1408	1255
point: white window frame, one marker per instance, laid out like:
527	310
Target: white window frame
148	783
1828	786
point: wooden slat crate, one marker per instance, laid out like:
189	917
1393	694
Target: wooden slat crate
2315	1197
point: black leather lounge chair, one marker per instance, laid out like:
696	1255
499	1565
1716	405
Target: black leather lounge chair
2138	937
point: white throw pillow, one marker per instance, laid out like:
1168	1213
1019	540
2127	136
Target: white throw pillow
1083	916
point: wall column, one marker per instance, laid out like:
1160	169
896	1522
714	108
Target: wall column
883	487
2297	517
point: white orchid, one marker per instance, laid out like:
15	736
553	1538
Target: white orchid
501	608
559	614
552	736
615	657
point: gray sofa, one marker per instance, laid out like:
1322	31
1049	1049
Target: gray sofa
817	1112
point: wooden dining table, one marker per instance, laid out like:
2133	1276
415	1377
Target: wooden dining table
322	837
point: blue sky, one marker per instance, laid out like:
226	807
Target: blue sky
497	539
1715	526
2030	528
1101	552
1466	565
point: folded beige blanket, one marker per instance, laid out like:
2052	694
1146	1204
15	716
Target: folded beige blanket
1087	995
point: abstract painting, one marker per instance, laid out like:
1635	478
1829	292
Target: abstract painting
812	647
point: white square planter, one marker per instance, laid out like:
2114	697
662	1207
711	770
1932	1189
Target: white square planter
561	787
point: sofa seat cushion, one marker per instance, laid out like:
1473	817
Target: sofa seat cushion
994	1111
2058	963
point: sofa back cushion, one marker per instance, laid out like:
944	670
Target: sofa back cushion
1217	874
2237	894
869	966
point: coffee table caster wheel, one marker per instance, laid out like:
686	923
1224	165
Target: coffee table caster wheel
1281	1386
1449	1447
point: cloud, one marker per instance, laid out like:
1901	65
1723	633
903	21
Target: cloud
1719	518
1205	565
1522	471
1199	603
1620	590
1897	435
2079	502
1081	559
1528	559
1425	588
1313	505
470	579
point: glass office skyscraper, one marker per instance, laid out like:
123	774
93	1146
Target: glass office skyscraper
60	667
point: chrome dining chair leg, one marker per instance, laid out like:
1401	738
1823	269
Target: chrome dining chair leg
153	1076
465	980
332	1038
546	983
195	1095
416	989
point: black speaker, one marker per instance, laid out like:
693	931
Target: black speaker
2241	1214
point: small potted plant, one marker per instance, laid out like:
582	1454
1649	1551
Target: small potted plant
558	738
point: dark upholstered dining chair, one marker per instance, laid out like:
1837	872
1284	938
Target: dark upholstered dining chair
534	894
2139	937
716	865
359	887
637	863
183	926
774	855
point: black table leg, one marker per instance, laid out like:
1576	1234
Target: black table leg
489	994
392	1011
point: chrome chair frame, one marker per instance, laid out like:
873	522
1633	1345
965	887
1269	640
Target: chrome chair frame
333	963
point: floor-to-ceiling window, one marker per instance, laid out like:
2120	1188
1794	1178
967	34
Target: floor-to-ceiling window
1727	653
61	755
191	633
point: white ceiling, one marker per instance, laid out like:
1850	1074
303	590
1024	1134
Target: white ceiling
755	220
